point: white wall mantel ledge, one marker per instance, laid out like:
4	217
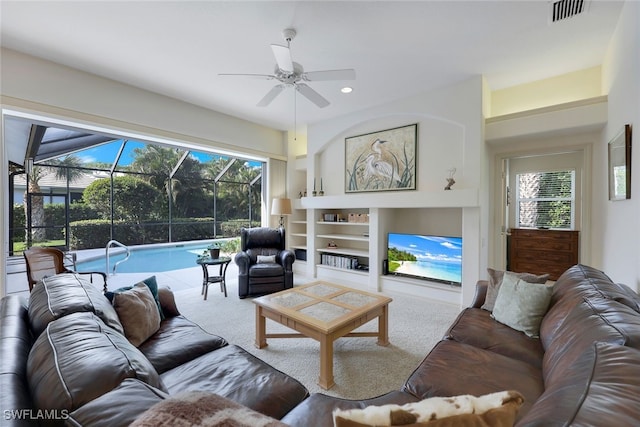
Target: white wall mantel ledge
462	198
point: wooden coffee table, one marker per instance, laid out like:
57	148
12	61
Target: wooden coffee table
325	312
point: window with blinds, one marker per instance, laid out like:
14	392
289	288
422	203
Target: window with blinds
545	200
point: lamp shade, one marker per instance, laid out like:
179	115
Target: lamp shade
281	207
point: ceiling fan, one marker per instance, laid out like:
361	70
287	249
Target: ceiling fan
292	74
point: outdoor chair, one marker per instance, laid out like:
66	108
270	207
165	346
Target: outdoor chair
45	262
264	265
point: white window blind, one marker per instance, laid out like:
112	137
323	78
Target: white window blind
545	199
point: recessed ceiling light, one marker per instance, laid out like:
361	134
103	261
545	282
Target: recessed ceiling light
346	89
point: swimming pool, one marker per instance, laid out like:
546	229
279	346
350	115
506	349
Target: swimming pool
149	259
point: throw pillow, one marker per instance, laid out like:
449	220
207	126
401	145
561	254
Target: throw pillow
464	410
153	287
495	280
265	259
522	305
138	313
199	408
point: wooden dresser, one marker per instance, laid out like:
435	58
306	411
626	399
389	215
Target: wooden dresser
542	251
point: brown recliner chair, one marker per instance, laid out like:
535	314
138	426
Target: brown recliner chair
264	265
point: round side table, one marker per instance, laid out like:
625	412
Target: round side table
207	279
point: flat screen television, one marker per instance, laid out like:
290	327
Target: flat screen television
428	257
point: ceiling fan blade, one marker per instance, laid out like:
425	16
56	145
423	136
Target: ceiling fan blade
347	74
312	95
257	76
271	95
283	57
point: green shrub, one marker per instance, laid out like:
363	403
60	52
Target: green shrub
230	246
19	223
232	227
89	234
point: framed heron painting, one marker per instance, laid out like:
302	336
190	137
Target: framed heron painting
381	161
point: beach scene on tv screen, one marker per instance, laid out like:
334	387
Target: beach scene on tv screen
429	257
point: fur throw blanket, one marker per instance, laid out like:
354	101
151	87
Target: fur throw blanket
496	409
201	409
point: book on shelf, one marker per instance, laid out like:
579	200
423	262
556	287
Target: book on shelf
339	261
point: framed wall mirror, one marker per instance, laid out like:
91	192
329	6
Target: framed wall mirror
620	165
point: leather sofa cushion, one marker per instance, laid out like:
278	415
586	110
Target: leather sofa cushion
119	407
234	373
603	384
254	252
15	344
266	270
454	368
63	294
578	278
78	358
178	340
578	283
595	319
476	327
319	407
263	237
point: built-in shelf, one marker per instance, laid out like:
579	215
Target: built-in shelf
353	237
366	224
407	199
352	271
297	231
297	204
344	251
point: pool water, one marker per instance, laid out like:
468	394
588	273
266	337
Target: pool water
149	259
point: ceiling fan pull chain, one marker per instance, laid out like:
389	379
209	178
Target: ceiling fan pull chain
295	114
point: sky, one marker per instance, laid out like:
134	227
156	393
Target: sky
106	153
428	247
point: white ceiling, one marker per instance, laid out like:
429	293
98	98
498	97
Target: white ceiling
398	49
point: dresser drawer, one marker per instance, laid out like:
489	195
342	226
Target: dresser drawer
552	257
553	270
543	251
551	244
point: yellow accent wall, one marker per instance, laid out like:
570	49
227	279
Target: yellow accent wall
568	87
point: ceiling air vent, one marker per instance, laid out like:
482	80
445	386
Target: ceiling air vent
564	9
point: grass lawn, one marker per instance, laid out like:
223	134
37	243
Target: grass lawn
21	246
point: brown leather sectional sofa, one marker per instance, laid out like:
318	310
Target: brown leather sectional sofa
583	370
66	354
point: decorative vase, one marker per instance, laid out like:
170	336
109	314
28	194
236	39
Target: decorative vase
214	253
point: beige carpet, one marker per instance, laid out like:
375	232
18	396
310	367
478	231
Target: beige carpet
362	369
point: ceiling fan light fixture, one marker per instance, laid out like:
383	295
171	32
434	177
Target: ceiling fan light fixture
291	74
346	89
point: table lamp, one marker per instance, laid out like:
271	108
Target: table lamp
281	207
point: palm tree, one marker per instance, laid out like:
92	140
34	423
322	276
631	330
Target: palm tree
157	163
63	168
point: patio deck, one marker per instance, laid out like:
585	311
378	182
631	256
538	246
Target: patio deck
177	280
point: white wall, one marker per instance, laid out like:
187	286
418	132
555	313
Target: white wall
29	83
450	133
450	119
620	221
